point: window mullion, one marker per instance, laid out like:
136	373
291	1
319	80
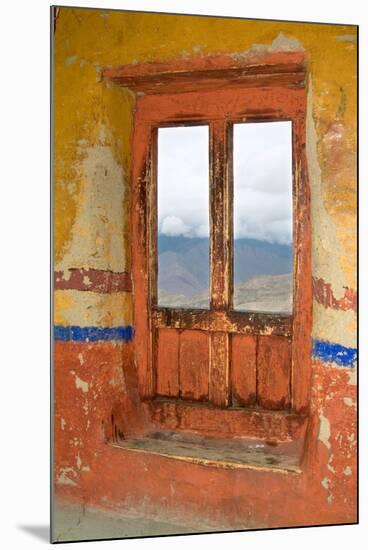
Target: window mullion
220	261
220	217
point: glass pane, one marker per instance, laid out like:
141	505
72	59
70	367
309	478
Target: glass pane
263	231
183	217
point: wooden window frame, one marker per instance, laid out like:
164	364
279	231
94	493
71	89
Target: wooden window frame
217	91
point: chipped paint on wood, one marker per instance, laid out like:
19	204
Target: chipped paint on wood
275	426
281	68
243	370
273	372
272	102
215	321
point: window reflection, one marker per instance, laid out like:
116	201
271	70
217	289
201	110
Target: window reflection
183	216
263	231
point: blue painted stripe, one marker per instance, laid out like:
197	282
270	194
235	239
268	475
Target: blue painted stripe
334	353
322	350
92	334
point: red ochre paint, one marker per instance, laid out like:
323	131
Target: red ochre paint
96	396
95	280
323	294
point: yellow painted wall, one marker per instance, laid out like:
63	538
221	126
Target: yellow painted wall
93	123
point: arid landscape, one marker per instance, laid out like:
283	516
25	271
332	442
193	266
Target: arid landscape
262	274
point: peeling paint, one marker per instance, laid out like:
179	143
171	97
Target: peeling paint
64	479
281	43
118	379
81	384
346	37
353	378
98	231
335	326
92	334
325	244
324	431
329	465
324	295
349	402
96	280
92	308
325	483
78	461
71	59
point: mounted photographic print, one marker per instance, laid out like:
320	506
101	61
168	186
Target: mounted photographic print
204	300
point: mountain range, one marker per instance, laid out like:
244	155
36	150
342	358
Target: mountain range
262	273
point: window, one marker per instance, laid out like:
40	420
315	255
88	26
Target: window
183	216
263	215
213	344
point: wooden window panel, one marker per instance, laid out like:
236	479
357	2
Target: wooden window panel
273	372
193	367
219	369
167	366
273	89
243	370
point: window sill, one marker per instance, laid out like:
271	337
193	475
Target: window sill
237	453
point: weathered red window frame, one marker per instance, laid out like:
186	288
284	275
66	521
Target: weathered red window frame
178	93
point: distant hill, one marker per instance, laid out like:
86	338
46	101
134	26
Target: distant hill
267	293
184	270
272	293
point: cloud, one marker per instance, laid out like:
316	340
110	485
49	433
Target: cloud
262	181
173	226
183	188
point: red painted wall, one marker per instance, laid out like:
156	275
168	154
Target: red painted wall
89	471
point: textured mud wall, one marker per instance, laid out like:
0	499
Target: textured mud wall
95	386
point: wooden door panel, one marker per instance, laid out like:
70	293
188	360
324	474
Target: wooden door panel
219	369
243	370
194	365
273	372
167	366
